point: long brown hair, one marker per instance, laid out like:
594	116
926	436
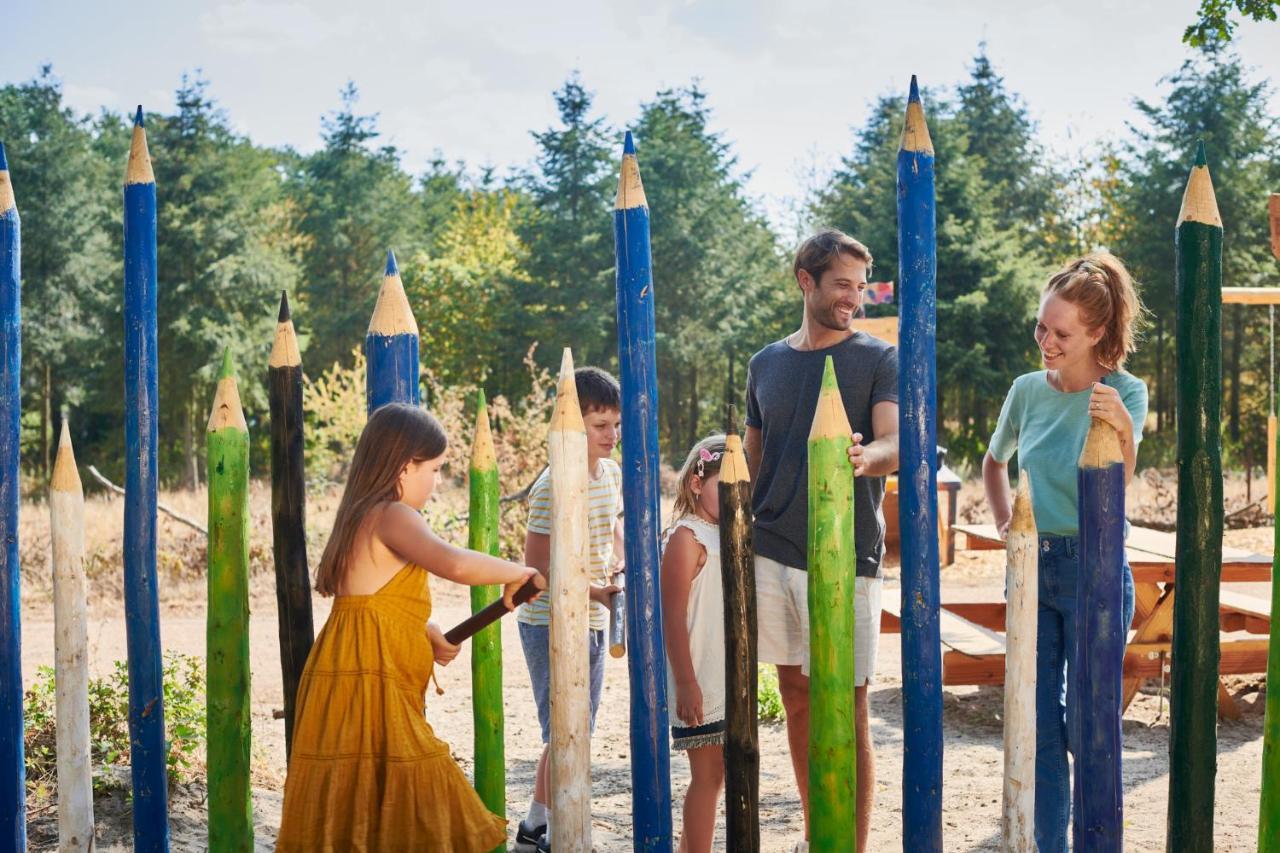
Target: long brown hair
395	435
1102	289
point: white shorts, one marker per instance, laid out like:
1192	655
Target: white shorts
782	619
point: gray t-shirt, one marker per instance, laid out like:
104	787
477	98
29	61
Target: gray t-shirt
782	393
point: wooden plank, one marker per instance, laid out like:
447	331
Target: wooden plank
1249	605
884	328
1251	295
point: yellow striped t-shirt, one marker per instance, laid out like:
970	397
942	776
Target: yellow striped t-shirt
604	503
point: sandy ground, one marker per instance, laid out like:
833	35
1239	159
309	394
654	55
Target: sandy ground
972	725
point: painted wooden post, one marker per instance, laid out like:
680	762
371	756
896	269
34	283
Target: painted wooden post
1198	558
918	488
737	567
1097	675
391	345
71	655
227	670
570	605
13	777
141	413
833	755
486	647
650	755
1269	807
1022	572
289	511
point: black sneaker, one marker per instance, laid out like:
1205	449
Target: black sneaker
528	838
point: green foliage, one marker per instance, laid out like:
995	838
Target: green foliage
720	278
768	698
999	232
184	719
1212	98
1214	23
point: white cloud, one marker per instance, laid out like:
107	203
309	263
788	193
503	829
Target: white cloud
263	28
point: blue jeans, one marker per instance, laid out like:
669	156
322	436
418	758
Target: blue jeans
536	642
1055	651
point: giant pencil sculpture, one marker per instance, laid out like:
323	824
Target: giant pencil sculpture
833	764
289	512
1017	824
227	442
737	567
1096	674
486	647
650	758
141	413
391	345
1198	557
71	658
1269	809
570	604
13	784
918	489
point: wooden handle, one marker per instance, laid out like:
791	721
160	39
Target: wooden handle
476	622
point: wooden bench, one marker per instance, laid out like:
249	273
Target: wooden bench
1151	555
973	653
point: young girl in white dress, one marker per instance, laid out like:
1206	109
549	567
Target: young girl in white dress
693	626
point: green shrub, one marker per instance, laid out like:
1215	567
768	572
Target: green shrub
184	719
768	699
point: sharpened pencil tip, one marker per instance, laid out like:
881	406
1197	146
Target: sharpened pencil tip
914	94
392	267
628	144
137	118
1201	160
283	316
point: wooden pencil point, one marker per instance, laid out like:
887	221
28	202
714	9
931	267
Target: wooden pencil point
7	200
1199	202
284	349
1101	446
226	411
630	188
830	418
482	456
567	415
1024	520
66	477
139	169
915	130
284	307
733	467
392	314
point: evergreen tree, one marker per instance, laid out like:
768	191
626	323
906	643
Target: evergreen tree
355	203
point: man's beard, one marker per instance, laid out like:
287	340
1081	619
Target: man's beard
827	319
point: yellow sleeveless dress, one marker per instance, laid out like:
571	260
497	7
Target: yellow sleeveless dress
366	772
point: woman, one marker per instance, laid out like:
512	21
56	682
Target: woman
1085	330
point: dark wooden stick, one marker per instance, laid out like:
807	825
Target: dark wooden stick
465	629
288	512
737	565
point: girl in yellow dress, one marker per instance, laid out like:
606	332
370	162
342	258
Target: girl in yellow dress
367	773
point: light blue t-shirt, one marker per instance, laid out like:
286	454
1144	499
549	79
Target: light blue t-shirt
1047	428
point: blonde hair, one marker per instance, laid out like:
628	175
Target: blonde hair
1102	289
686	501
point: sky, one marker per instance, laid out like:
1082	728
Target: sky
788	83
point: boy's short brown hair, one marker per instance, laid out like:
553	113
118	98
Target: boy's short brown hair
817	253
597	390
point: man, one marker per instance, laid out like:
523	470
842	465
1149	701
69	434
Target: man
782	391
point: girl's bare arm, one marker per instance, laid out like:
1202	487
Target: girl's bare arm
406	533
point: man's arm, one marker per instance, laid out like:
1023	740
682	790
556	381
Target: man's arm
753	444
880	457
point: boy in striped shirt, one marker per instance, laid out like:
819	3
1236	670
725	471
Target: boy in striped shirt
601	401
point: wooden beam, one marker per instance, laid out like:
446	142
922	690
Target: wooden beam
1251	295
